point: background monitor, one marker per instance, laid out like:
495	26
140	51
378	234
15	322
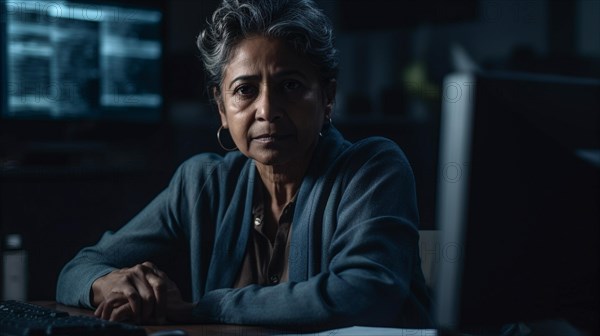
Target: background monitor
518	200
71	59
79	77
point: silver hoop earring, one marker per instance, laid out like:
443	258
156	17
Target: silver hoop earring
325	126
220	143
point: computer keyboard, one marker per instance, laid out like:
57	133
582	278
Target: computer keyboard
26	319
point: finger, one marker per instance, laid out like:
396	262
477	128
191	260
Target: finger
98	311
122	313
159	286
106	311
112	301
150	265
133	298
146	293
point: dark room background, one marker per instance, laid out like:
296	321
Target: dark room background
61	190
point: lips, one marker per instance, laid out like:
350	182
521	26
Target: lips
270	137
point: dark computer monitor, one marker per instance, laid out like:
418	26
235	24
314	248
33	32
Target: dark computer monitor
518	200
78	74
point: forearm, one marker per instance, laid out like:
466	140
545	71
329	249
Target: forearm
326	300
75	282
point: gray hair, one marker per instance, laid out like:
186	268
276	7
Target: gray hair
299	22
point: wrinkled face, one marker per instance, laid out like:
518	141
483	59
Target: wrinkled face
272	101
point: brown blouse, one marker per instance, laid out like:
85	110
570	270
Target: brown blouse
266	261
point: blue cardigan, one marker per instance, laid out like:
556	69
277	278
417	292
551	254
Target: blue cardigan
354	257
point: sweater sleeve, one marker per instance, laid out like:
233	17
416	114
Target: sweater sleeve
372	256
153	234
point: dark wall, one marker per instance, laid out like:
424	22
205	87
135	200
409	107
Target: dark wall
59	211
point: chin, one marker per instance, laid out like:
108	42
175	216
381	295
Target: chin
270	161
272	158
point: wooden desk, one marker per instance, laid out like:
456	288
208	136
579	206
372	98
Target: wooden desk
193	330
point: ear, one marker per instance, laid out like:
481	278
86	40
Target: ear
219	100
329	96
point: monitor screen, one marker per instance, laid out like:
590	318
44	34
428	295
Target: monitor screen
82	60
518	201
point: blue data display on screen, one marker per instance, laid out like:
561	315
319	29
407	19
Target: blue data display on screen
82	60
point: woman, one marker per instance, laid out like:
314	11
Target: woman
296	227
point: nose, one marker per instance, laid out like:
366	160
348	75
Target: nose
267	105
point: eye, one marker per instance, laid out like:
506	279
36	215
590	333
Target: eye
292	85
244	91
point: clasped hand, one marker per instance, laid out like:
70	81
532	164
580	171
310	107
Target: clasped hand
142	294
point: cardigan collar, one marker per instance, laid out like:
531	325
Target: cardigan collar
304	250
